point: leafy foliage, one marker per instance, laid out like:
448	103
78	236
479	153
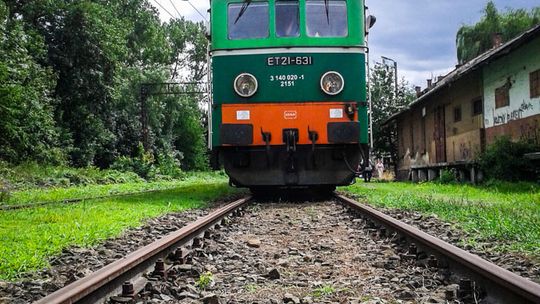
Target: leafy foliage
473	40
504	160
26	114
70	78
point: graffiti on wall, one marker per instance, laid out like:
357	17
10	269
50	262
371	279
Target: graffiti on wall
504	118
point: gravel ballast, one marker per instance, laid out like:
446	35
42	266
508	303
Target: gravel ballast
302	252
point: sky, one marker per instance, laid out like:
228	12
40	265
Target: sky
418	34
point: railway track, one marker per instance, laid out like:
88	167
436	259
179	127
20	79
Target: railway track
499	284
120	281
123	277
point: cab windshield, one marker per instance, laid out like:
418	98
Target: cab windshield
247	20
326	20
287	19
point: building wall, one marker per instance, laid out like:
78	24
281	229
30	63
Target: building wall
463	138
417	132
520	119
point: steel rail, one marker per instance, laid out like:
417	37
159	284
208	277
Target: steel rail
507	287
94	287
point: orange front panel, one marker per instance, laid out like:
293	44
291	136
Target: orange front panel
274	117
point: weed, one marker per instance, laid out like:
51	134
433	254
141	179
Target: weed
205	280
251	288
323	291
312	213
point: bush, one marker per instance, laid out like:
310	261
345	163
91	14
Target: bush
31	174
504	160
5	191
142	164
448	176
169	164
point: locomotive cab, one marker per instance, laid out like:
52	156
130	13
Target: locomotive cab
288	102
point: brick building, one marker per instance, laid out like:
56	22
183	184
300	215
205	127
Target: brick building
455	118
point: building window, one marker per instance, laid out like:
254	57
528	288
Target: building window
502	96
248	20
457	114
477	106
287	19
534	79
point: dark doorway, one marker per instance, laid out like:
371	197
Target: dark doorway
440	135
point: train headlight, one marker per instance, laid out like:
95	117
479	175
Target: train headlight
245	85
332	83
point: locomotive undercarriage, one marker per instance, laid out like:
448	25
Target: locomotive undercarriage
291	166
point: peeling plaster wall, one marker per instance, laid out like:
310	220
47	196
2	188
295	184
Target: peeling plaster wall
513	69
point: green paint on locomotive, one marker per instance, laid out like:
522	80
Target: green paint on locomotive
306	86
290	83
220	40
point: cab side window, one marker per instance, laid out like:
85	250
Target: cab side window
326	18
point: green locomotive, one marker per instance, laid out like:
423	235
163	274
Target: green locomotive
288	91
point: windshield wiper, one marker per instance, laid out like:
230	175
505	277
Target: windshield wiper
326	9
243	10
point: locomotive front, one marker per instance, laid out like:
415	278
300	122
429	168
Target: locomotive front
288	104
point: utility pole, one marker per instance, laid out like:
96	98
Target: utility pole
395	75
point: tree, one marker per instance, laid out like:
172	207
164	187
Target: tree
385	103
473	40
27	126
70	78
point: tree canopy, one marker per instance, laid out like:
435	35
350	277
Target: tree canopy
473	40
70	76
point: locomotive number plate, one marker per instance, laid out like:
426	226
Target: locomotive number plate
289	60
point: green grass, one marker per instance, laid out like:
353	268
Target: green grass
508	213
29	237
57	194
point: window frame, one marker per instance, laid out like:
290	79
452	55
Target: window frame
474	110
502	96
534	84
268	15
458	114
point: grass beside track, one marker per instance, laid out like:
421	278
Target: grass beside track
508	213
29	237
58	194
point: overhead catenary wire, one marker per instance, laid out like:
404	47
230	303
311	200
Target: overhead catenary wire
162	7
176	9
200	14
